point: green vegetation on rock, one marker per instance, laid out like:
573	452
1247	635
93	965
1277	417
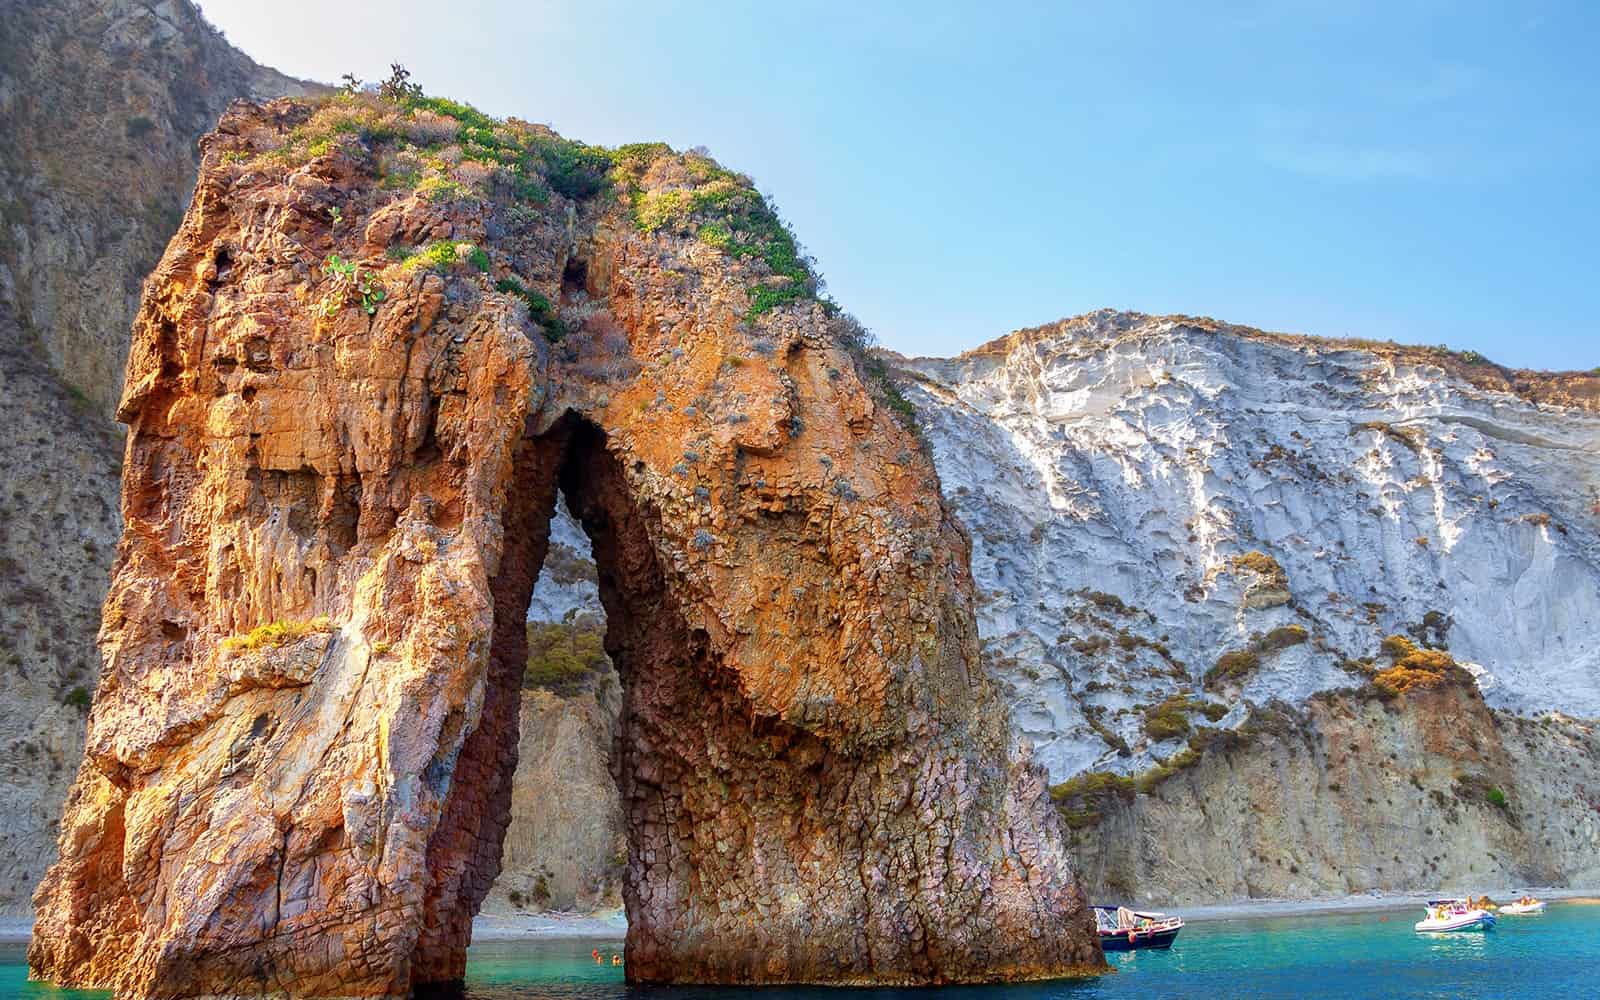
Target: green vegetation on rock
564	656
539	308
1168	720
721	209
1237	665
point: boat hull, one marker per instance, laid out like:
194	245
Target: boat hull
1140	940
1518	910
1472	922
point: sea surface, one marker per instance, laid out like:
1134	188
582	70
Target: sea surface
1336	956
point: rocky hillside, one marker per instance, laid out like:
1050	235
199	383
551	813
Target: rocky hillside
1192	541
101	102
1188	535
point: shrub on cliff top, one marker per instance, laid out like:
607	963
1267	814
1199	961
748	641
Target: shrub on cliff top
445	148
692	195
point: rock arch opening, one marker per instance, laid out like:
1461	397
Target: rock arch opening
694	770
756	850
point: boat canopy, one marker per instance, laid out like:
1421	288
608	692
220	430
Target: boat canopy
1120	918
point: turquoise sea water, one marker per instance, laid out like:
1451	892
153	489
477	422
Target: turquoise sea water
1338	957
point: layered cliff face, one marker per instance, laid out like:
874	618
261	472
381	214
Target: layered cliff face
58	530
386	337
1145	495
1182	529
566	847
100	107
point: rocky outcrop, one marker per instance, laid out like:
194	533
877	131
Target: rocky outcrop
566	846
100	106
101	102
386	336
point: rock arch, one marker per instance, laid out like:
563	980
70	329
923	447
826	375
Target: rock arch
299	758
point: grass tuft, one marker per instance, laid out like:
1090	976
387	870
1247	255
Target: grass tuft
275	634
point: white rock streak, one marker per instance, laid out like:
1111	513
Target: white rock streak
1125	455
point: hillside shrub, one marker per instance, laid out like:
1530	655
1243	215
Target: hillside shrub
539	308
1233	666
1168	720
1282	638
563	657
1413	669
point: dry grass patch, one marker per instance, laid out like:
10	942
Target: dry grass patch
275	634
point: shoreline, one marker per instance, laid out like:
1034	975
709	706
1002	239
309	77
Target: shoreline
1366	902
606	924
611	925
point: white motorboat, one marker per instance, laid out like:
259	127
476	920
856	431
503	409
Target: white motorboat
1454	915
1526	906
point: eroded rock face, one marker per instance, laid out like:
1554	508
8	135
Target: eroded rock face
101	102
1169	511
815	774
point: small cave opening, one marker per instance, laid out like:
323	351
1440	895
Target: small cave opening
574	279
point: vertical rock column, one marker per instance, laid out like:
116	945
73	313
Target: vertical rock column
464	855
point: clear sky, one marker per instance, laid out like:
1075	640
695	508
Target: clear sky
1425	172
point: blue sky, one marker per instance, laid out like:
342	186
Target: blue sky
1425	172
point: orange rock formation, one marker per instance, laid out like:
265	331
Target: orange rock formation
351	412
